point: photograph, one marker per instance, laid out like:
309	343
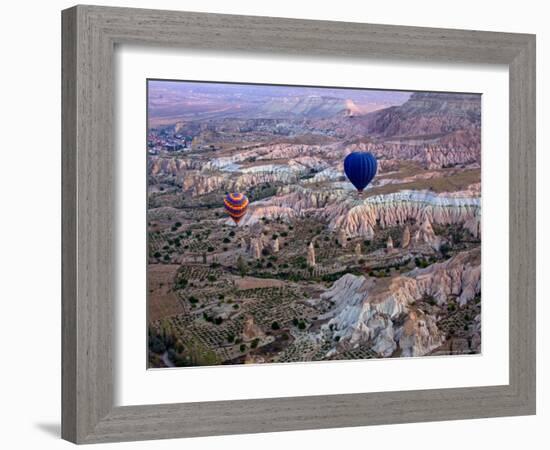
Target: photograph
296	223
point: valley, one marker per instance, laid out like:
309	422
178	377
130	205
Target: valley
315	270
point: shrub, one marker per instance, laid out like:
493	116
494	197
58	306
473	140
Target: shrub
156	345
181	283
275	326
445	249
242	347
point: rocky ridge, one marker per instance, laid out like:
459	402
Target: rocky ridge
382	313
354	217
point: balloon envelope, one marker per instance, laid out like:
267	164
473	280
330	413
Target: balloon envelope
236	205
360	168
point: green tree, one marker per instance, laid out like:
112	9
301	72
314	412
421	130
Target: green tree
241	266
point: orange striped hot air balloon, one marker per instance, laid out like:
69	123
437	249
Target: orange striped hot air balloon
236	205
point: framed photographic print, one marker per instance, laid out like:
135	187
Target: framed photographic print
264	229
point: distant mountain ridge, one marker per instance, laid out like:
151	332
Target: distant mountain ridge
310	107
170	102
427	113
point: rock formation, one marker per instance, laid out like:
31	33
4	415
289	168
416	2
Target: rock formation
342	238
311	255
394	209
256	248
275	245
358	250
389	243
379	313
418	335
406	238
426	235
251	330
360	218
369	232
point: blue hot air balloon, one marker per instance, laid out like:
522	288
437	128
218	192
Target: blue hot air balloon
360	168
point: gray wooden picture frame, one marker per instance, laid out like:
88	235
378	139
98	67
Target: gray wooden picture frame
90	34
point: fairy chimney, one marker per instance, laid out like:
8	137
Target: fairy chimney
311	255
369	234
251	330
406	238
342	239
255	248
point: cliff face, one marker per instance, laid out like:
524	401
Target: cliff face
170	166
427	113
199	183
394	209
354	217
430	153
382	313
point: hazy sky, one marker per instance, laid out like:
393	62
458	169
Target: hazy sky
160	87
172	101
